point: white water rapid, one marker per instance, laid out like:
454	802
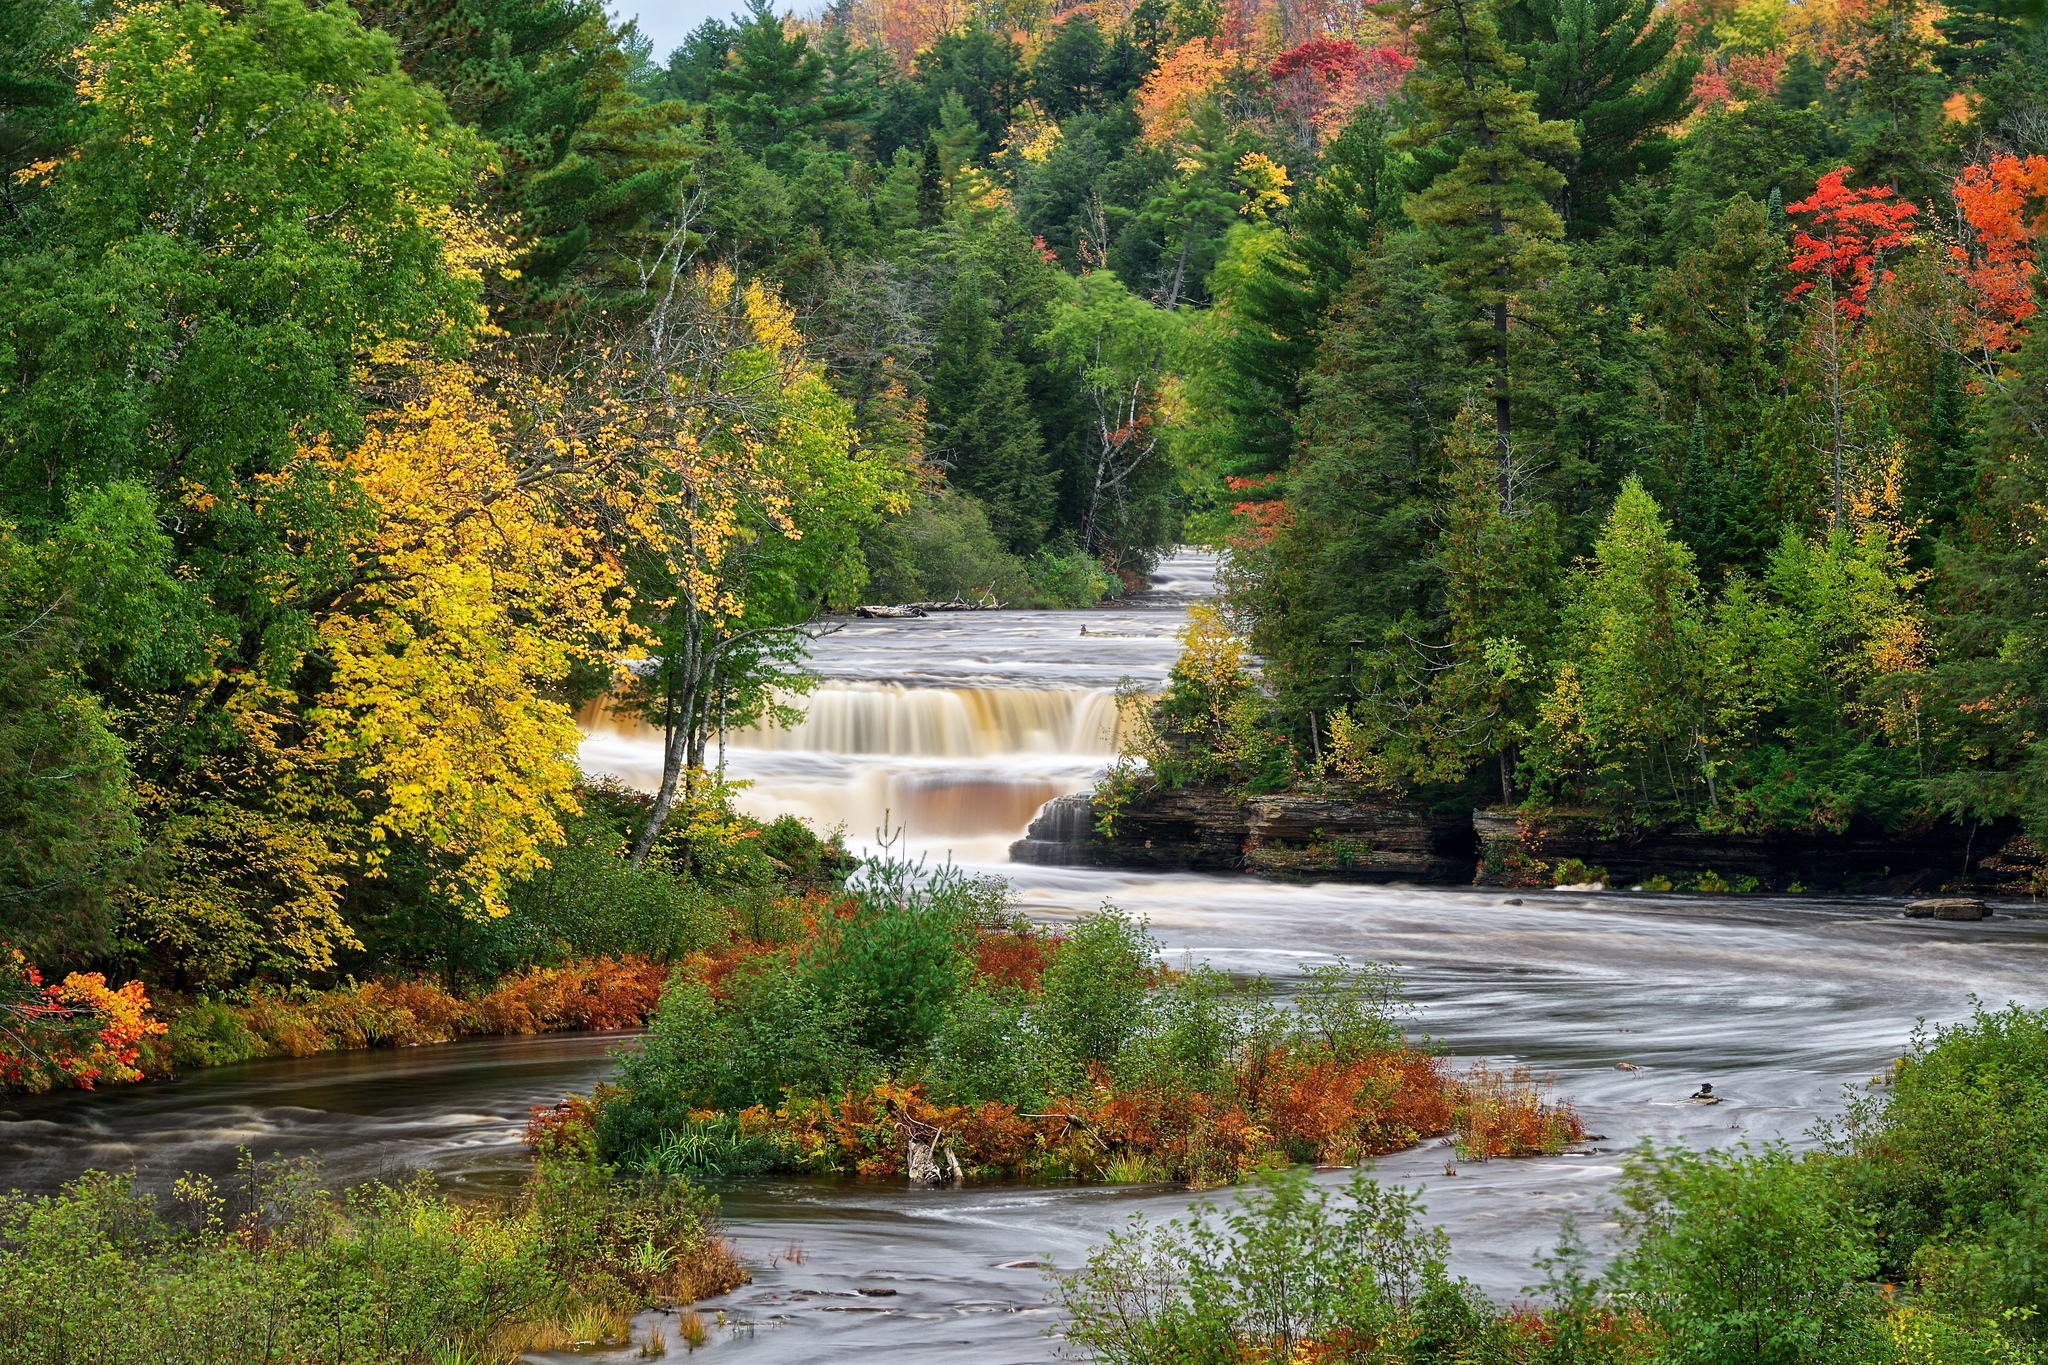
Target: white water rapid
958	726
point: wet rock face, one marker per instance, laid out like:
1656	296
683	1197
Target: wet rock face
1948	907
1289	838
1522	848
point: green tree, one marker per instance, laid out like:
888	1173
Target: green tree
1488	214
1114	345
773	90
1605	67
1272	298
1897	113
987	434
1626	711
1066	78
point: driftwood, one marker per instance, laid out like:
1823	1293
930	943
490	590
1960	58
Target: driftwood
906	610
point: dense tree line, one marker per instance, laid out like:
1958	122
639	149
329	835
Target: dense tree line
1613	404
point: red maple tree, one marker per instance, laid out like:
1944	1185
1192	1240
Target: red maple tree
1844	238
2006	205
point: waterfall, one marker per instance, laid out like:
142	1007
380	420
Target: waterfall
960	770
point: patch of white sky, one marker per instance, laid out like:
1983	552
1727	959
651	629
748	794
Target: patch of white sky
668	22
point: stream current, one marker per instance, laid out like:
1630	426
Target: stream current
959	727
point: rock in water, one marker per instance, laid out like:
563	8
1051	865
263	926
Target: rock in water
1948	907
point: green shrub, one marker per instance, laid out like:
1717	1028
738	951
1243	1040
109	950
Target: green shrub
893	968
211	1033
1293	1270
1955	1147
1194	1026
1746	1258
987	1049
1092	995
1349	1010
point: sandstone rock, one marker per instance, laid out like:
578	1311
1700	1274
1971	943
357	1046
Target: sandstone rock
1948	907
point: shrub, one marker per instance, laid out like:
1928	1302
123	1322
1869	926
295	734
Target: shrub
1291	1272
1742	1256
275	1268
1092	995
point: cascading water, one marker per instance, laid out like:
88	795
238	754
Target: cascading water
955	726
951	730
957	771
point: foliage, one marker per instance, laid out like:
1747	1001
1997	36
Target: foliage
920	1008
390	1273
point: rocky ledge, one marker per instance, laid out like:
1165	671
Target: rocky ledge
1332	838
1290	838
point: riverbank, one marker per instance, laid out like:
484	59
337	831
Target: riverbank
1341	838
268	1265
68	1037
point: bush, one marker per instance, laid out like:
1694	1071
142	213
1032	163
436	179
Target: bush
1290	1273
1746	1257
276	1268
1093	994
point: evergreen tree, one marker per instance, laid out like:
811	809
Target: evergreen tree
931	185
1898	106
702	55
1493	229
1606	68
1980	34
1279	304
1699	518
773	89
585	161
1066	77
1191	209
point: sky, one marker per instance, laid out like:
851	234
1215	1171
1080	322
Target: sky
668	22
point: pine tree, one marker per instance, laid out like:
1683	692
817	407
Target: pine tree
1980	34
1494	231
1191	209
1279	305
1699	517
1606	68
1065	80
985	430
773	89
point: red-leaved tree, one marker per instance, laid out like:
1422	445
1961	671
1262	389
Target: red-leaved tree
1318	85
1838	254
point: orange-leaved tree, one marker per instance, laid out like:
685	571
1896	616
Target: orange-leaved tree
73	1033
1838	253
2005	205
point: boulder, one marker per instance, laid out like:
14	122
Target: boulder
1948	907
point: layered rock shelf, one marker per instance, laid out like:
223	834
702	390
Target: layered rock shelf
1289	838
1330	838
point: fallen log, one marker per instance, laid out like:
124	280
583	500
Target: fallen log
907	610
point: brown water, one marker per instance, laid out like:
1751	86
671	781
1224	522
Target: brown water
1781	1003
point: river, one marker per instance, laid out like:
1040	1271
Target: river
959	728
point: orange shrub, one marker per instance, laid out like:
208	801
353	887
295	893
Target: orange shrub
1007	959
1503	1113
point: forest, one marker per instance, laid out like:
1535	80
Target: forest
1625	407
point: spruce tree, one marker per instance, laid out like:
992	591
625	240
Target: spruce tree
1980	34
986	432
1280	303
1606	68
1488	216
1065	79
931	185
